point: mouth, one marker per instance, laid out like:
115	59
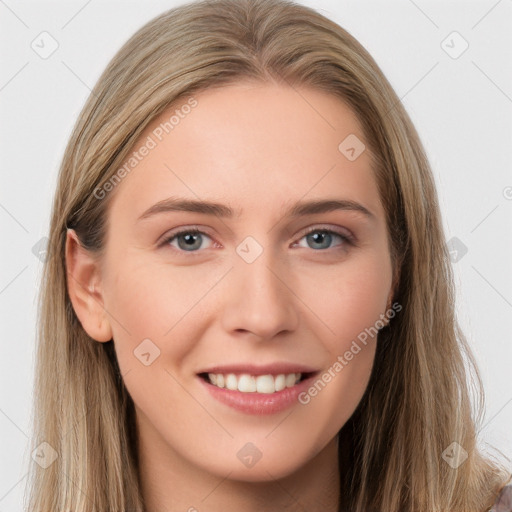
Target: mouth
257	390
247	383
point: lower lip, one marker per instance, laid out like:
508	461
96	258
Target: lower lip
258	403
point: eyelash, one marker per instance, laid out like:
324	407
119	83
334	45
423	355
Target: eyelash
346	239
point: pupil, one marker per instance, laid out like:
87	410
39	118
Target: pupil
190	240
318	237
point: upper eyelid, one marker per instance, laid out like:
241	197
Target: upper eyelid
324	227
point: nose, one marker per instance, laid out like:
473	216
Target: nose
260	299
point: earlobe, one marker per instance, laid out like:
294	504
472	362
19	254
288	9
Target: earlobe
84	289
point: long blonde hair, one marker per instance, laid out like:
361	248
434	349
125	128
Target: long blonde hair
418	400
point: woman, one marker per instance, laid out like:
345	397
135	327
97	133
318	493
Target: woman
248	303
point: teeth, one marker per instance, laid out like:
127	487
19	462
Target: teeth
290	381
265	384
246	384
249	383
280	382
231	382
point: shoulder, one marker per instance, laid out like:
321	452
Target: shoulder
504	501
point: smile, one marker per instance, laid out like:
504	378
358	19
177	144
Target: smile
257	390
246	383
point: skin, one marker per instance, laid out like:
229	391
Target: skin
257	148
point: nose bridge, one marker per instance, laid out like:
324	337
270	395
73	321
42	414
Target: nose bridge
258	299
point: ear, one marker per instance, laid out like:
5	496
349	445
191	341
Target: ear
84	289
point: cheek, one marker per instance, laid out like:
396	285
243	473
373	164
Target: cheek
156	321
349	298
350	307
153	301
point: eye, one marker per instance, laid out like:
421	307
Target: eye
187	240
191	239
320	238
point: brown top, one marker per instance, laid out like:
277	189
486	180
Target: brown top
504	501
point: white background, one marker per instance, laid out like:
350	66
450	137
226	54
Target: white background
461	107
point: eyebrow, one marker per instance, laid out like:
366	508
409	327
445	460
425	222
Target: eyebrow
299	209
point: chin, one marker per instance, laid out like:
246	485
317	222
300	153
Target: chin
268	468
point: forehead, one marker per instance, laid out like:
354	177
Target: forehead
253	146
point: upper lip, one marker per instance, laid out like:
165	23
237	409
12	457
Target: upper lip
252	369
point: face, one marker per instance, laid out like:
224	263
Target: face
259	290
